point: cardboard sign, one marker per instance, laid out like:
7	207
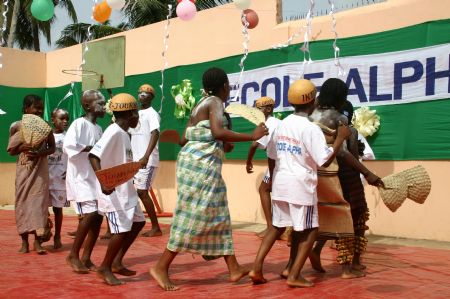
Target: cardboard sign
117	175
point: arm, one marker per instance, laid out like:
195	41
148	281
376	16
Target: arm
46	150
250	155
342	133
151	145
96	165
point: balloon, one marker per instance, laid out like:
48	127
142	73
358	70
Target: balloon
252	18
242	4
116	4
186	10
193	1
102	12
42	10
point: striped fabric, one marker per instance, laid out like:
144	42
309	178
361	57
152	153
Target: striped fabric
201	222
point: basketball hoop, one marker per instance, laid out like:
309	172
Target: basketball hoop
81	73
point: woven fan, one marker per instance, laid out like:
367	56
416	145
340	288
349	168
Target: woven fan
249	113
117	175
34	129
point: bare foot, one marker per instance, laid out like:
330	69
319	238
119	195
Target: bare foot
352	274
76	265
284	274
257	277
162	278
122	270
25	248
261	234
108	277
316	264
154	232
236	275
300	282
358	267
90	265
57	242
38	247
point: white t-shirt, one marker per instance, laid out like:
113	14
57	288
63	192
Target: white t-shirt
368	153
114	148
57	165
271	123
298	146
140	136
81	181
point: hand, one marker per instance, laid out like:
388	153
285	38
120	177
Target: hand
33	154
144	162
249	167
107	191
374	180
260	131
343	131
228	147
361	148
24	147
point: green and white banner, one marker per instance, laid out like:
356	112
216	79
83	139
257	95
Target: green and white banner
383	79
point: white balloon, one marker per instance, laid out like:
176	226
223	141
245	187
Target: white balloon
116	4
242	4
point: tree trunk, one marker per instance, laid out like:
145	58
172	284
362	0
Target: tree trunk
36	44
12	27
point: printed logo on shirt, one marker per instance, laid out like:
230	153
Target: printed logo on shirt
288	147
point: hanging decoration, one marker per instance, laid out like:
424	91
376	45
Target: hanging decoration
42	10
186	10
308	33
5	21
242	4
366	121
102	12
164	53
116	4
68	94
252	18
184	100
336	49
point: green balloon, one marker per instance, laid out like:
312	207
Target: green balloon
42	10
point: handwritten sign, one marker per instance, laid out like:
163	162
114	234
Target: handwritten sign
117	175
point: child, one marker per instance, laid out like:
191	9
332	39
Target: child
265	104
120	205
144	142
201	222
57	166
31	205
81	181
295	151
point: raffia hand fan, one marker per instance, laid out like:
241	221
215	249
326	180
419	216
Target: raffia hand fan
251	114
34	129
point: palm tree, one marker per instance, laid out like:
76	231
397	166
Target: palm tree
26	28
77	33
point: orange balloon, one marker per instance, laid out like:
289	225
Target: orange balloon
252	18
102	12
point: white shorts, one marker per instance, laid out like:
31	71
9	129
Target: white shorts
300	217
59	198
266	178
85	207
121	221
144	178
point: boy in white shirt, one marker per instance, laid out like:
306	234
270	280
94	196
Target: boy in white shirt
57	167
144	143
265	104
296	149
119	205
81	181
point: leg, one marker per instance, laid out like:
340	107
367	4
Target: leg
236	270
25	245
58	223
38	244
307	238
73	259
150	209
293	253
272	234
161	271
266	203
314	256
117	265
360	241
91	239
107	235
345	248
105	270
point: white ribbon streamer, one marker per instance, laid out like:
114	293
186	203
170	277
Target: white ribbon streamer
308	33
337	63
244	57
89	37
3	42
164	53
68	94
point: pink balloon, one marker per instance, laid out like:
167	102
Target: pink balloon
186	10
